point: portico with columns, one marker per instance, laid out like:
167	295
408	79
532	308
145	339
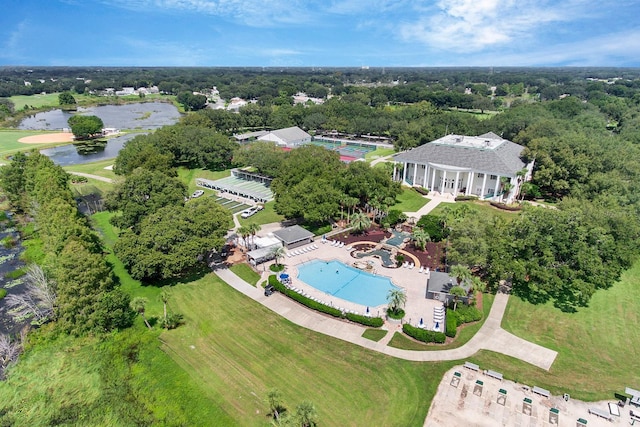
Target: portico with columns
468	165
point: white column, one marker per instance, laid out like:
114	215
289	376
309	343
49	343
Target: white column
484	184
415	172
469	183
495	192
455	184
433	179
394	172
404	172
424	178
444	179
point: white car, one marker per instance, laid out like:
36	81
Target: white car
197	193
250	211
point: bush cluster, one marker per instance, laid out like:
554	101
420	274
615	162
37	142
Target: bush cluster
424	335
506	207
463	314
374	322
423	191
451	325
466	198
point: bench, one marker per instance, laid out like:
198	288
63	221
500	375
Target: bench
472	366
614	409
600	413
493	374
635	396
541	392
581	422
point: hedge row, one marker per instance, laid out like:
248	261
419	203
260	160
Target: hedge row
452	324
374	322
466	198
506	207
424	335
423	191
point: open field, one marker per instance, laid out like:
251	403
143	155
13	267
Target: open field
95	168
237	350
378	152
188	176
409	200
597	346
35	101
9	143
265	216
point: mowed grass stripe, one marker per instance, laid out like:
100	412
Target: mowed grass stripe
238	350
597	346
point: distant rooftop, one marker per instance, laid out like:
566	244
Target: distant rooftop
488	141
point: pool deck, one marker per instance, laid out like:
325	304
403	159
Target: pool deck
411	280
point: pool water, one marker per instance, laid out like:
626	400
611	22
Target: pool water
347	283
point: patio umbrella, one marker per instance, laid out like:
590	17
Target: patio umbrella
367	310
421	322
437	327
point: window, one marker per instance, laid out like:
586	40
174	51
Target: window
480	175
493	177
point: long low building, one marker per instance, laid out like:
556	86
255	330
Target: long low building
486	166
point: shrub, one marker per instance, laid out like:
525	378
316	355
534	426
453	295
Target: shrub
394	217
423	191
506	207
433	225
395	315
276	267
375	322
423	334
452	324
3	293
466	198
17	273
467	314
399	260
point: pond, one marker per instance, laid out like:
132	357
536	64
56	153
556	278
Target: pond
67	155
147	115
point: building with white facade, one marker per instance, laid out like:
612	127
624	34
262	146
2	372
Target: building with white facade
289	137
486	166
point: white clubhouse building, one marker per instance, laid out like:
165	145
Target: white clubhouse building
469	165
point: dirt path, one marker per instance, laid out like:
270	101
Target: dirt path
97	177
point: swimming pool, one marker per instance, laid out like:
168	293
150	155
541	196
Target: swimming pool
347	283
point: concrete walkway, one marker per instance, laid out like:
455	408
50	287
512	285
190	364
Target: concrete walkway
88	175
490	336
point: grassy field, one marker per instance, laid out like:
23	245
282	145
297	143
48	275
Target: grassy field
409	200
9	141
35	101
237	350
597	345
374	334
379	152
188	176
246	273
92	186
95	168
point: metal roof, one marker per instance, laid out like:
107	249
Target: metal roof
293	234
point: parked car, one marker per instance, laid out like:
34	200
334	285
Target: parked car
197	193
250	211
268	290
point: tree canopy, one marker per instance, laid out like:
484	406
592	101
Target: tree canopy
85	127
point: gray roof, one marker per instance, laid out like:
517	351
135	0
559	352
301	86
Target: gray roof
440	282
249	135
262	254
291	134
293	234
487	153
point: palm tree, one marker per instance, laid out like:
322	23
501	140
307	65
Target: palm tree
477	285
244	232
396	298
274	400
350	203
420	238
457	292
307	414
138	304
360	221
506	186
278	253
253	229
461	273
164	297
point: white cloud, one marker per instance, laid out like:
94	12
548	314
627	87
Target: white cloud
471	25
257	13
12	45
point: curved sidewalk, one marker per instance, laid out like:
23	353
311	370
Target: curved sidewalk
490	336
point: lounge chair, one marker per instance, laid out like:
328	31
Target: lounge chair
405	264
348	248
315	246
421	269
341	244
411	266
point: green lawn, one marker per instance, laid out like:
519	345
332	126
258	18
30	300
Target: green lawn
237	350
92	186
9	141
374	334
266	216
35	101
597	345
379	152
482	208
246	273
188	176
409	200
95	168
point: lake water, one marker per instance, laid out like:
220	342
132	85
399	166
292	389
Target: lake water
66	155
147	115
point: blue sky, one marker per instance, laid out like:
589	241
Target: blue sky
320	33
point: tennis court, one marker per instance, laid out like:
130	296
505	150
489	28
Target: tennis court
232	205
345	148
